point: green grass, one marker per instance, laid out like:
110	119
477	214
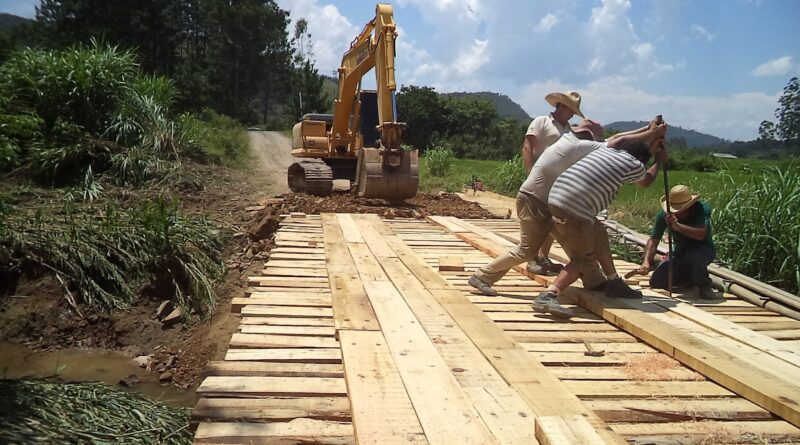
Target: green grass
461	172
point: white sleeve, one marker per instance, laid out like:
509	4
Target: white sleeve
536	126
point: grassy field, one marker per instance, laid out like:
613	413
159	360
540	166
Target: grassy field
461	172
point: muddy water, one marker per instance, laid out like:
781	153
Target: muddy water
77	365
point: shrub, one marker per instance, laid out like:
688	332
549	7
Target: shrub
438	160
215	137
691	160
761	215
507	179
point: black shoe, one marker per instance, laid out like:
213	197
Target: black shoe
706	293
549	265
617	288
600	287
546	303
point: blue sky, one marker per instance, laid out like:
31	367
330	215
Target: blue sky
717	66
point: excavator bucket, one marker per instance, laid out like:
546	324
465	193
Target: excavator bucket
379	179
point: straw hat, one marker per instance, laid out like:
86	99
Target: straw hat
590	126
571	99
680	197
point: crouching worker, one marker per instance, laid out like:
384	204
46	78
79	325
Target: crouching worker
689	222
587	188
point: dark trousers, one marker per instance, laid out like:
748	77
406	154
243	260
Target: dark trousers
690	268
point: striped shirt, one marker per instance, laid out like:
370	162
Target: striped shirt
589	186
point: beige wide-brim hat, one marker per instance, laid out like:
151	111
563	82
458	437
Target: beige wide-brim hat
590	126
571	99
680	197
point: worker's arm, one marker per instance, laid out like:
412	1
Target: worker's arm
627	133
660	158
528	146
649	254
696	233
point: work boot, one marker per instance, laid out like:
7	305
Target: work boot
617	288
543	266
483	288
600	287
549	265
706	293
546	303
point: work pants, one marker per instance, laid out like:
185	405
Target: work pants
690	268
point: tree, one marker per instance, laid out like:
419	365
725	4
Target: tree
422	110
767	131
308	95
246	40
788	112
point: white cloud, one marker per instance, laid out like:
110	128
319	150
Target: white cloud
735	116
546	23
777	67
331	32
702	32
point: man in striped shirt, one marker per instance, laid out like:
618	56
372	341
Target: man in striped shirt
585	189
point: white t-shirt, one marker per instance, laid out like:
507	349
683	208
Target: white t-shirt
554	161
547	130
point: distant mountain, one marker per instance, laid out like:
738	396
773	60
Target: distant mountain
505	106
693	138
8	21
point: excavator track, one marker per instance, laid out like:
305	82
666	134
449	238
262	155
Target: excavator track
312	176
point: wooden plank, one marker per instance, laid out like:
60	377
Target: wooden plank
623	389
273	409
451	263
287	321
307	331
269	369
320	432
238	303
300	264
243	340
505	413
271	386
381	409
351	307
446	223
373	238
287	311
349	228
297	355
723	430
442	407
368	268
553	430
660	410
294	272
590	371
582	430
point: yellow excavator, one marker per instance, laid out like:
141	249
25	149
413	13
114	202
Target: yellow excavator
360	141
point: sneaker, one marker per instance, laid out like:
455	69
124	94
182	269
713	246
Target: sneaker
706	293
546	303
483	288
618	289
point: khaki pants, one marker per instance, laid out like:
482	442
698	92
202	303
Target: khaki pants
584	241
535	223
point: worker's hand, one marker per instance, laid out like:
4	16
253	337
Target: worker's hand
653	124
658	130
672	221
643	269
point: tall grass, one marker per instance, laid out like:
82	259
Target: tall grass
439	160
507	179
102	256
757	227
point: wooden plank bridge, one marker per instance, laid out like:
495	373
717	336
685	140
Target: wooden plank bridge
363	330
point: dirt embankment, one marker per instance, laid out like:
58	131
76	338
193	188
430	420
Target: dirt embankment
38	316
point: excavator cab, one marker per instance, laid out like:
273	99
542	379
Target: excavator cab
361	141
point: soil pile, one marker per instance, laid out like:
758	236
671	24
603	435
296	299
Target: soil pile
420	206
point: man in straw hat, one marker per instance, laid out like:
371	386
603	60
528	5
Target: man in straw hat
534	215
543	132
587	188
689	222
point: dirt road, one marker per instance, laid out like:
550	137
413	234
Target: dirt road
271	153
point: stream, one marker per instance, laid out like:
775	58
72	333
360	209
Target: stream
79	365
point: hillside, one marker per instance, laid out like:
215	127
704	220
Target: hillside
505	106
8	21
693	138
